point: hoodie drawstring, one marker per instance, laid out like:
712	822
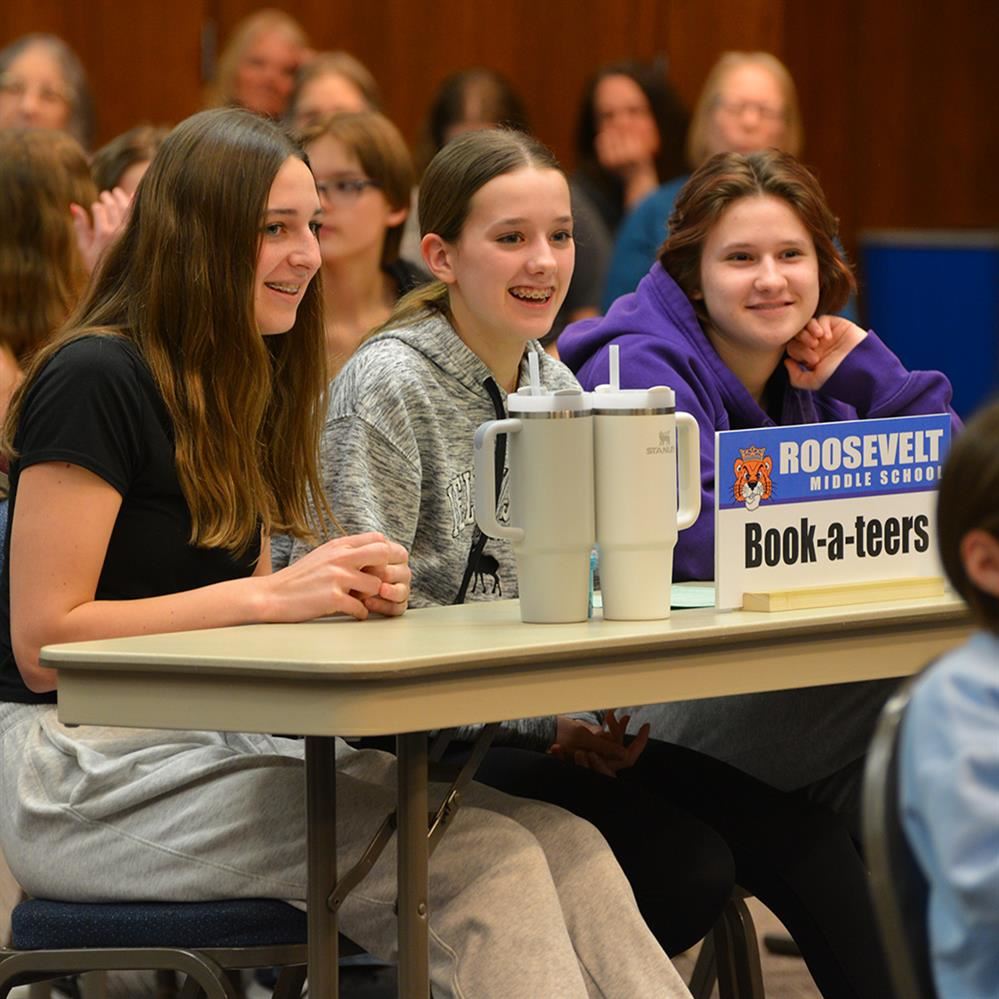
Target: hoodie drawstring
478	538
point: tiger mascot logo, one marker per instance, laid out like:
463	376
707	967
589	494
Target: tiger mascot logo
752	477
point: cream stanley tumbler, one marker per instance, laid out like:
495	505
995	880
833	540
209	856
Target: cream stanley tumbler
637	438
551	522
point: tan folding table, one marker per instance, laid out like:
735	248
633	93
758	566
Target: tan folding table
443	667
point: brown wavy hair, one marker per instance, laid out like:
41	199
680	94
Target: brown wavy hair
724	179
42	274
969	500
247	410
384	157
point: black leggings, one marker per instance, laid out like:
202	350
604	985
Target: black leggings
680	870
798	857
685	827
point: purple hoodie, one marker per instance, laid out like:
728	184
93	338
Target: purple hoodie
662	343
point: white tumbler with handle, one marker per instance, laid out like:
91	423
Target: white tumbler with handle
551	521
638	438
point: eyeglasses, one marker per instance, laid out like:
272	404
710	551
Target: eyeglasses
11	86
738	108
344	190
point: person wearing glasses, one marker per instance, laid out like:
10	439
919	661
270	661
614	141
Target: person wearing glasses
43	85
364	175
748	103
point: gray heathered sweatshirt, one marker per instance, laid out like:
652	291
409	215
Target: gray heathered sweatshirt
397	458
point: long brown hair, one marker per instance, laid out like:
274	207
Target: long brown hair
247	410
726	178
42	274
454	176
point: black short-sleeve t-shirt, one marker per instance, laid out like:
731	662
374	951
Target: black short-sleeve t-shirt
95	405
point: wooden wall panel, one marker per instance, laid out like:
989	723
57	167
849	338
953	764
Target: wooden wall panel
897	98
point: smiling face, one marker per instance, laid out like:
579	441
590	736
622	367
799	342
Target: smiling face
759	279
750	112
354	219
265	76
34	93
288	256
510	268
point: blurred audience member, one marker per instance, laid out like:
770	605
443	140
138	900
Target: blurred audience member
42	271
748	103
124	160
43	85
330	83
257	67
472	98
364	174
629	137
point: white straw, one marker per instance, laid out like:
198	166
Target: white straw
615	368
535	372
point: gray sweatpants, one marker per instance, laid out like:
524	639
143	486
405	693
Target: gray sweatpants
526	900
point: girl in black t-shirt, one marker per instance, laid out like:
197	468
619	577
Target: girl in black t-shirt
168	431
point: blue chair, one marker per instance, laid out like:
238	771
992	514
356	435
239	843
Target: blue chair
201	940
898	886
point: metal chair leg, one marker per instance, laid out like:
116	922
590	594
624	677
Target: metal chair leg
705	973
290	983
738	954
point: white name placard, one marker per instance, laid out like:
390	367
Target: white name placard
825	504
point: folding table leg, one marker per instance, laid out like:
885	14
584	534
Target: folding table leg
414	955
320	776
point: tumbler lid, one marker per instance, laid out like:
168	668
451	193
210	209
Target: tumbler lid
656	400
567	400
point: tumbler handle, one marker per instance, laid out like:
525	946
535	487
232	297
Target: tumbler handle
689	449
485	479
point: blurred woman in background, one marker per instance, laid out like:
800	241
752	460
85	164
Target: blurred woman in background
330	83
629	137
43	85
747	103
257	67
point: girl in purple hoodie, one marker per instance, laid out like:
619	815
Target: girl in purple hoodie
736	317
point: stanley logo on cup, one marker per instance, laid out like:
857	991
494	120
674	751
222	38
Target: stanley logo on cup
665	445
